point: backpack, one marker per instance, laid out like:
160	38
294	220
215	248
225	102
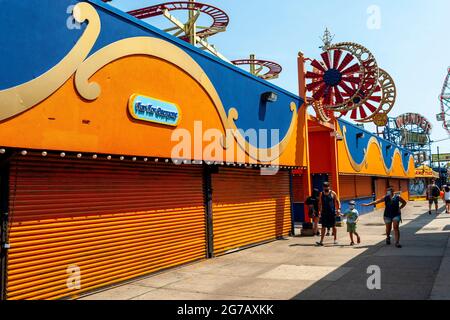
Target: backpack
435	192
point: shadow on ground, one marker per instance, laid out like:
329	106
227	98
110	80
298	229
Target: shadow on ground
406	274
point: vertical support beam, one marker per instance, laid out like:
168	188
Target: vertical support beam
334	159
302	155
291	195
192	26
208	192
252	65
374	189
4	209
439	166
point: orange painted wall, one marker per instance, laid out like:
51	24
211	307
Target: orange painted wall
66	122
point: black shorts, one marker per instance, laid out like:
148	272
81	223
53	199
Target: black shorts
447	201
328	221
433	200
313	215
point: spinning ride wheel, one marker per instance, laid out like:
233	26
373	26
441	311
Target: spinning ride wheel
377	106
342	84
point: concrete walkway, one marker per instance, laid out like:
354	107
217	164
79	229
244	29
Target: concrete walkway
296	269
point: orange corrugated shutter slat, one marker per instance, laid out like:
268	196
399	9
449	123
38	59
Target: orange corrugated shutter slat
363	186
347	187
249	208
380	189
404	188
113	220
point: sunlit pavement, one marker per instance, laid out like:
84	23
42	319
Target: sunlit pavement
296	269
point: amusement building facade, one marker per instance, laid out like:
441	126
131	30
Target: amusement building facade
91	191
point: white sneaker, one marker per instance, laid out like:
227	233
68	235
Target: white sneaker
336	243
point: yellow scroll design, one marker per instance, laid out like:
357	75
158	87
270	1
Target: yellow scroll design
168	52
18	99
372	142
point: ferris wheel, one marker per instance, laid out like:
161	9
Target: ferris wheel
347	81
444	116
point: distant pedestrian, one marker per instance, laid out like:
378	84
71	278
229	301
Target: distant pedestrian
433	193
394	203
352	216
329	209
447	198
313	210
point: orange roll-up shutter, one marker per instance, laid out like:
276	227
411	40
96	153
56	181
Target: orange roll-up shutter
249	208
347	187
404	188
380	189
112	220
363	187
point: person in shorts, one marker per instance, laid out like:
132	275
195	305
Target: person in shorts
329	209
394	203
433	194
447	198
313	210
352	216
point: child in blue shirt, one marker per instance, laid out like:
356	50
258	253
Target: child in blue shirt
352	216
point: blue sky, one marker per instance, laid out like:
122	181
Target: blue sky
411	44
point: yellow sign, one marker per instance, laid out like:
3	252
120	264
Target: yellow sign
426	172
445	157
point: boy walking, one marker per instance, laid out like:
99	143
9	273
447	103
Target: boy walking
352	216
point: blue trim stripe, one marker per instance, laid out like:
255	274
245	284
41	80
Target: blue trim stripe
357	146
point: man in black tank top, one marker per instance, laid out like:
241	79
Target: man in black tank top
392	213
329	209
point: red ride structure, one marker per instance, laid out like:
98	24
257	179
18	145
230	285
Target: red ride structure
197	35
331	78
220	18
347	81
273	68
379	104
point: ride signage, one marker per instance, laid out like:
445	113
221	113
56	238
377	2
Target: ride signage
413	138
414	119
444	157
152	110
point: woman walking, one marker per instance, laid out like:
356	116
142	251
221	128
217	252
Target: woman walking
447	198
394	203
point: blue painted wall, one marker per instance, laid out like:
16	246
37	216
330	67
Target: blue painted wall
299	212
362	210
35	37
357	146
